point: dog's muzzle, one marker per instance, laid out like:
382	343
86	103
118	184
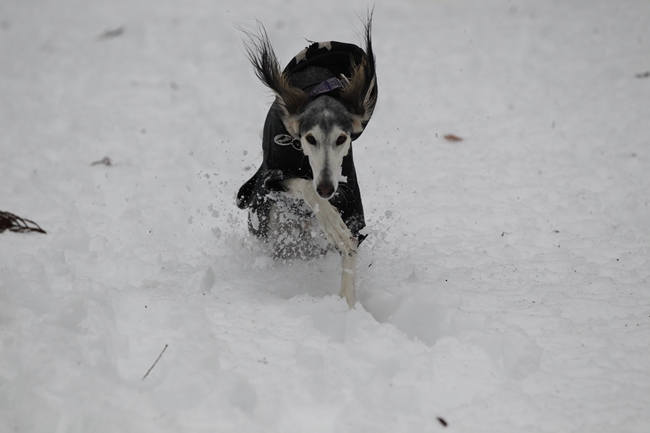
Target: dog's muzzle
325	190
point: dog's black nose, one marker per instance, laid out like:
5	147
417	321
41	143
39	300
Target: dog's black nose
325	190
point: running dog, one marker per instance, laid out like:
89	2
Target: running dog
324	99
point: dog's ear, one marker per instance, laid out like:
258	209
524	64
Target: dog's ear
267	68
360	93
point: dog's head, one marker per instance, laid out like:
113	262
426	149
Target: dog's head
324	124
325	128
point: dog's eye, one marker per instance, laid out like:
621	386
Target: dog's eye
311	140
341	140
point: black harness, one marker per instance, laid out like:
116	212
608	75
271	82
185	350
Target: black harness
316	70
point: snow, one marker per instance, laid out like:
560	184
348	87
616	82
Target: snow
504	285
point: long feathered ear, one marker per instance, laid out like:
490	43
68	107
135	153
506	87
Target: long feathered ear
267	68
360	93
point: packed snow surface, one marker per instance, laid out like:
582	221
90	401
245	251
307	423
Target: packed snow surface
505	282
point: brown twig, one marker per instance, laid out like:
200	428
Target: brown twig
452	137
14	223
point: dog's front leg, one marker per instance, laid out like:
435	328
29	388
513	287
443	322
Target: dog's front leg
348	262
329	218
335	230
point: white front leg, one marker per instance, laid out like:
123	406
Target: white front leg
329	218
349	263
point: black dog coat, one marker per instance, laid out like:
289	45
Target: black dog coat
310	71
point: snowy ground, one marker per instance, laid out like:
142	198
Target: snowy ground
505	286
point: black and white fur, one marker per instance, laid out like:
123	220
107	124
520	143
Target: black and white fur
325	127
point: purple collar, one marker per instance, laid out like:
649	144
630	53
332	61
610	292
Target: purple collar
326	87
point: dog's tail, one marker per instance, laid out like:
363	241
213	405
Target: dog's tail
267	68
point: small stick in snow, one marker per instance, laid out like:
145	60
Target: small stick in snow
452	137
442	421
112	33
155	362
105	160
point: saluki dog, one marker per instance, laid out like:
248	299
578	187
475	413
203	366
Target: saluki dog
323	100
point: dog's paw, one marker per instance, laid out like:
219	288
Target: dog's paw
336	232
